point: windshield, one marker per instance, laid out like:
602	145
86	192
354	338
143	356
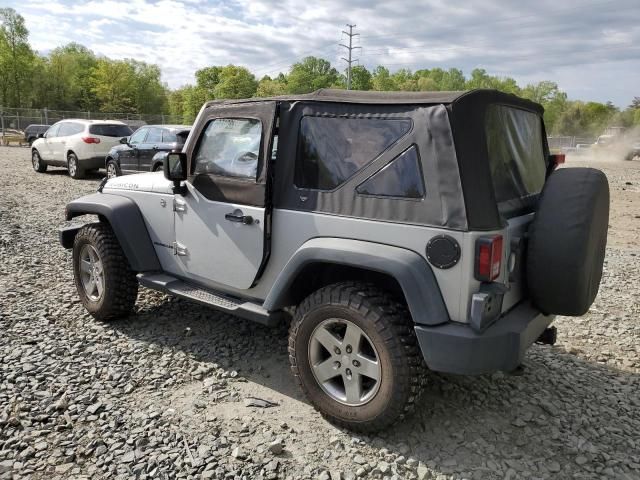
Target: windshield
107	130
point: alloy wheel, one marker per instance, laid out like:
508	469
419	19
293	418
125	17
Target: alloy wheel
111	170
344	362
91	273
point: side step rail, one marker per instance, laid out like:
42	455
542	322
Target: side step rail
179	288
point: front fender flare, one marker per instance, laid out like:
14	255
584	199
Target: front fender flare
127	223
411	271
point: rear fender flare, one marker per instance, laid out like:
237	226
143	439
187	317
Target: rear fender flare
410	270
127	223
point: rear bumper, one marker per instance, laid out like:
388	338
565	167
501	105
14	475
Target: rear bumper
456	348
91	163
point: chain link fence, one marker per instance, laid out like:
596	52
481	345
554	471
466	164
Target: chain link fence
13	121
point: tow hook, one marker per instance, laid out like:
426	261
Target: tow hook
548	337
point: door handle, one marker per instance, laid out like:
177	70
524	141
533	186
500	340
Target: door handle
245	219
155	147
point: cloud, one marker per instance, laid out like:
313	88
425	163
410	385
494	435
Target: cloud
573	42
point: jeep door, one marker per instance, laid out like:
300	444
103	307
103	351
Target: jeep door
220	223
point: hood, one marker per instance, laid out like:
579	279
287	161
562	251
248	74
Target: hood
141	182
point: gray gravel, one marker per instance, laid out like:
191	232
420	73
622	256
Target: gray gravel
179	391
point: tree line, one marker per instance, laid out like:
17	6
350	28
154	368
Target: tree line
72	77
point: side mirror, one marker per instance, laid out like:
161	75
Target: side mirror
175	169
41	135
124	140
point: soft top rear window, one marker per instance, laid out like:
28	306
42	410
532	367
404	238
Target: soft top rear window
110	130
516	149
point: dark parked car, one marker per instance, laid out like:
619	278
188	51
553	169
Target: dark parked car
144	150
32	131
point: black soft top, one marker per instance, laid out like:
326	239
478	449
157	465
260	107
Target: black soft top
459	100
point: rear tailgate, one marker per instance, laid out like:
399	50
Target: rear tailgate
109	135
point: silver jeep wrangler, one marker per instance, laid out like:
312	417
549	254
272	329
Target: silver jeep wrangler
404	230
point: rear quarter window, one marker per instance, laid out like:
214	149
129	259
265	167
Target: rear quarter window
332	149
516	149
107	130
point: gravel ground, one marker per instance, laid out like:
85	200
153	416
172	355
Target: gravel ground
179	391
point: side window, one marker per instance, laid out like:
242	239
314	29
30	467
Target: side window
169	137
332	149
230	147
75	128
65	129
155	136
138	136
53	131
400	178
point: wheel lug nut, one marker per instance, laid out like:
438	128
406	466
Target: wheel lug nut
337	350
337	365
348	372
356	363
348	348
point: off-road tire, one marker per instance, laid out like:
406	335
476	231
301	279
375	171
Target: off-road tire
388	325
37	163
120	283
78	171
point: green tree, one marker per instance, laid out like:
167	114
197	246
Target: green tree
128	86
207	79
311	74
69	78
235	82
381	79
113	83
361	78
268	87
16	58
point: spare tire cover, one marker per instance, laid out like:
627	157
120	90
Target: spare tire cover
567	241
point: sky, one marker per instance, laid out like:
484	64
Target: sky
591	48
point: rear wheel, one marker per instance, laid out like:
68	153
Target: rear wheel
157	167
75	171
37	163
354	354
107	286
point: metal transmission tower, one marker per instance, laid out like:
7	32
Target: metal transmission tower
350	49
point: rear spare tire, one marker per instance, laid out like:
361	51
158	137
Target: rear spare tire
567	241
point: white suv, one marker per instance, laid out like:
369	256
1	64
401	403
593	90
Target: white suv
79	145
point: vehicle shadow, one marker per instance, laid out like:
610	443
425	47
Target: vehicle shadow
562	417
88	176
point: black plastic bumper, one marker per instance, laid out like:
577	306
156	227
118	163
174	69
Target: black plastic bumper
91	163
456	348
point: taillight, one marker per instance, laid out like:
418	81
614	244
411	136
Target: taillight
557	159
90	140
488	258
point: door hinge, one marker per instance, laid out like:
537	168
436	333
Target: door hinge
179	205
179	249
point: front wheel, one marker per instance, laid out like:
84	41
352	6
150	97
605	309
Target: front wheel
107	286
75	171
37	163
354	354
112	169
